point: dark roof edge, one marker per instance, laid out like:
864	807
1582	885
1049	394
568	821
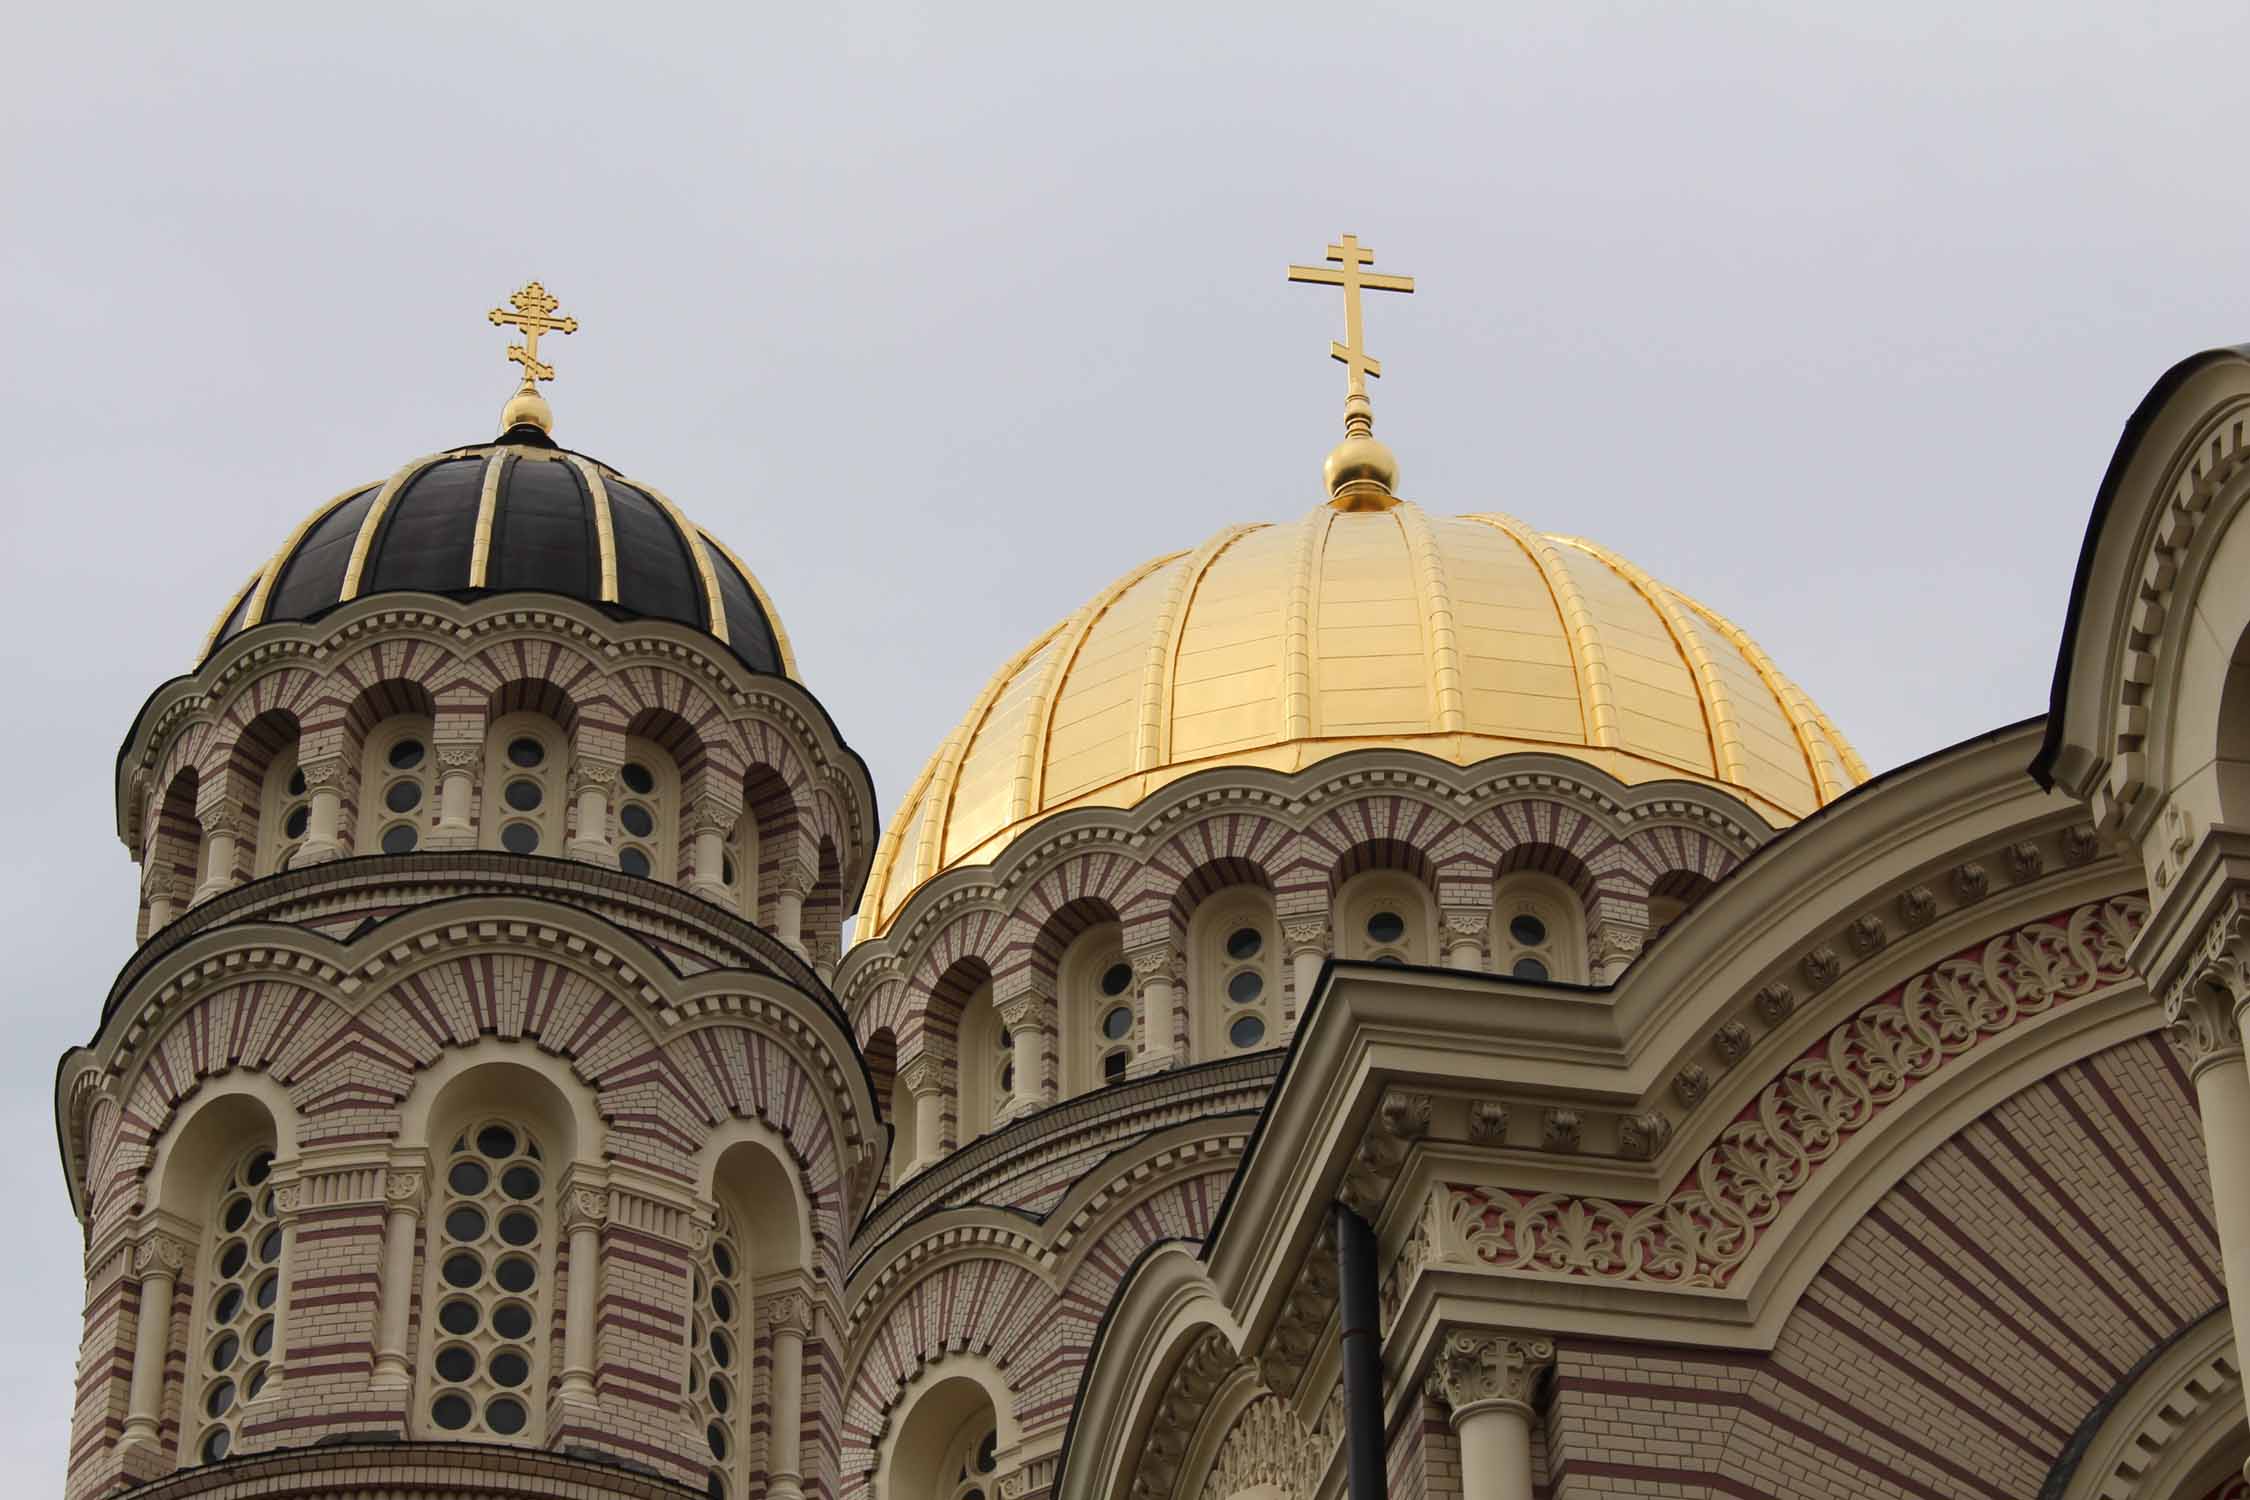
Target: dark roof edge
2128	443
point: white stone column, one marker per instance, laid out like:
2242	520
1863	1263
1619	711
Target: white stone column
324	820
708	827
157	1260
2205	1009
1465	935
589	784
457	794
222	831
584	1209
402	1203
792	883
1162	1002
1305	940
1030	1019
1487	1380
924	1077
789	1315
156	890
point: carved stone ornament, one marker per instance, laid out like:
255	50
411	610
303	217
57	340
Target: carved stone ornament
1970	882
1401	1119
1917	906
288	1197
1562	1130
796	877
1207	1363
1308	935
1027	1012
923	1073
402	1187
1867	934
787	1312
1610	946
1488	1122
1641	1136
1149	965
2203	1007
1460	926
327	771
1474	1371
1691	1084
1821	967
159	1252
1731	1041
1266	1446
468	758
1711	1223
1304	1317
591	776
223	822
2025	861
711	817
1776	1003
2081	844
585	1208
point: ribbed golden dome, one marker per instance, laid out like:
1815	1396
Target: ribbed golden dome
1463	637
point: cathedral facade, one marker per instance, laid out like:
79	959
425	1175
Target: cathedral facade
1387	1002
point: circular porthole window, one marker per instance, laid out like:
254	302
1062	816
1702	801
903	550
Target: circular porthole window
1527	930
1246	986
633	862
294	826
524	795
526	752
520	838
1247	1031
637	820
1117	979
297	782
400	838
1244	943
1386	927
1529	968
406	755
637	778
1118	1024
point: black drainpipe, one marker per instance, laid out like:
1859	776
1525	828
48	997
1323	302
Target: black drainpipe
1359	1304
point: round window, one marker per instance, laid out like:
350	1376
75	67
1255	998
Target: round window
297	782
1113	1067
406	755
637	820
1118	1024
526	752
1386	927
294	826
633	862
1247	1031
1529	968
1117	979
519	838
523	796
1244	942
1527	930
1246	986
400	838
637	778
403	795
726	869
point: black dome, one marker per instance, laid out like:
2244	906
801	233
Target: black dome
517	514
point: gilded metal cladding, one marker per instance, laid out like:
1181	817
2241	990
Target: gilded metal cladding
1463	637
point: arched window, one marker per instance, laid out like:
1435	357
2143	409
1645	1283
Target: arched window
1538	929
1096	1009
397	787
1385	916
946	1445
647	803
526	785
1236	991
718	1360
987	1063
968	1470
284	812
1670	896
491	1262
236	1347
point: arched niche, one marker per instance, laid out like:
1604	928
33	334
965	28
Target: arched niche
942	1420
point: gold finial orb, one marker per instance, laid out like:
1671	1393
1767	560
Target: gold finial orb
532	311
1361	471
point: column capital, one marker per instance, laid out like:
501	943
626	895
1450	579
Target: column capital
787	1312
2203	1008
324	770
713	817
460	758
159	1253
795	877
592	776
1476	1371
1027	1011
1304	935
923	1073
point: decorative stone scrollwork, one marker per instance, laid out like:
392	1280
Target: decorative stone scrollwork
1401	1118
1266	1446
1488	1122
1305	935
1207	1363
1917	906
787	1312
1561	1130
585	1208
1732	1042
2203	1007
326	771
2081	844
1775	1003
1304	1317
1477	1370
466	758
708	816
795	877
1609	948
159	1251
923	1073
1821	967
2025	861
288	1197
1642	1136
1691	1084
1970	882
1461	926
1707	1228
402	1187
592	776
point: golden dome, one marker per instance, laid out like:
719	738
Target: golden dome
1464	637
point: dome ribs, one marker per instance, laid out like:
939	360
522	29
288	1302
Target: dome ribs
1297	628
1027	786
1153	744
1434	601
1833	776
1596	694
373	523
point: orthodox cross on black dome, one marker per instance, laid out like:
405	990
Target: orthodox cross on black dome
532	313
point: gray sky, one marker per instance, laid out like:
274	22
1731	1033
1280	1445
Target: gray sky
1827	315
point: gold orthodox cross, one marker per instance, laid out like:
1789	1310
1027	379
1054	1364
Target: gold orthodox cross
1353	279
534	315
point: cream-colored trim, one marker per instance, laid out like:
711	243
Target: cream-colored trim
2169	1422
1721	730
488	507
765	602
1152	744
1030	781
1596	696
372	522
272	571
713	602
1303	604
604	532
1433	598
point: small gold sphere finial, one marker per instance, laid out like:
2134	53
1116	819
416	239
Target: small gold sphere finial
1361	471
531	310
